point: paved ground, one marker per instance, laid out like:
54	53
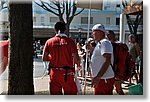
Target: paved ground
42	87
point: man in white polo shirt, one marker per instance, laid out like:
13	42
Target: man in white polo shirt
102	72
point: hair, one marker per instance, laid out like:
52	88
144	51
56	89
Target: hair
93	44
60	26
110	31
131	36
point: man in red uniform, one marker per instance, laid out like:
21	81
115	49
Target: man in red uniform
3	55
62	53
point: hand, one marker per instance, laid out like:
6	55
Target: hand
95	81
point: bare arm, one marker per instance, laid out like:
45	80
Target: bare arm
137	48
46	56
138	53
76	59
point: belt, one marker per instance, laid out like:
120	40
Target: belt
107	79
66	68
59	68
70	73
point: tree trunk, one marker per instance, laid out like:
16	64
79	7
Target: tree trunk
20	80
133	25
67	29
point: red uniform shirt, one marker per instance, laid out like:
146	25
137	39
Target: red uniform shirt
60	50
4	48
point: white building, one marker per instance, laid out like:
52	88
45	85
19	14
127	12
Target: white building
4	25
43	21
109	16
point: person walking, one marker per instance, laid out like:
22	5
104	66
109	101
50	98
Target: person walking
134	51
118	82
102	57
82	56
62	54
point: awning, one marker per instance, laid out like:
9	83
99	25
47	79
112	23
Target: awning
133	10
95	4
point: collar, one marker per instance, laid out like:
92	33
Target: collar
61	35
102	40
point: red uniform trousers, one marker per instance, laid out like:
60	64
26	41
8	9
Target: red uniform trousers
105	87
57	83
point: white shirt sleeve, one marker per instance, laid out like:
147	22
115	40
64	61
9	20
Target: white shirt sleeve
106	47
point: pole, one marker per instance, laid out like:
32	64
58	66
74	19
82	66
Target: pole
122	30
88	33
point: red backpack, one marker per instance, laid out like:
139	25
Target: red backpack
123	63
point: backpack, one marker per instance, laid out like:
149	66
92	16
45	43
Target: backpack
123	63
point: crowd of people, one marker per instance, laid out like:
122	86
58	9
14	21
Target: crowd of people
37	48
100	54
134	51
63	53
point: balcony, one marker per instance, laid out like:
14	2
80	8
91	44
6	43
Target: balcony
75	27
107	27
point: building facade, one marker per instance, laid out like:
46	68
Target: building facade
43	21
109	16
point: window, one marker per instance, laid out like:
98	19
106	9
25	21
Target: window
117	21
54	19
42	19
118	5
84	20
107	20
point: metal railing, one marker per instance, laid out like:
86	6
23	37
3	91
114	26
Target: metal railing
85	26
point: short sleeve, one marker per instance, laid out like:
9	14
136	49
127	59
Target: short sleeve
106	47
4	48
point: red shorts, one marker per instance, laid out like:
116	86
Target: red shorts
105	87
57	83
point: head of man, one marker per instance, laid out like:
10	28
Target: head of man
98	32
131	38
60	26
111	35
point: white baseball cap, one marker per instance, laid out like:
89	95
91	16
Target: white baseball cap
99	27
